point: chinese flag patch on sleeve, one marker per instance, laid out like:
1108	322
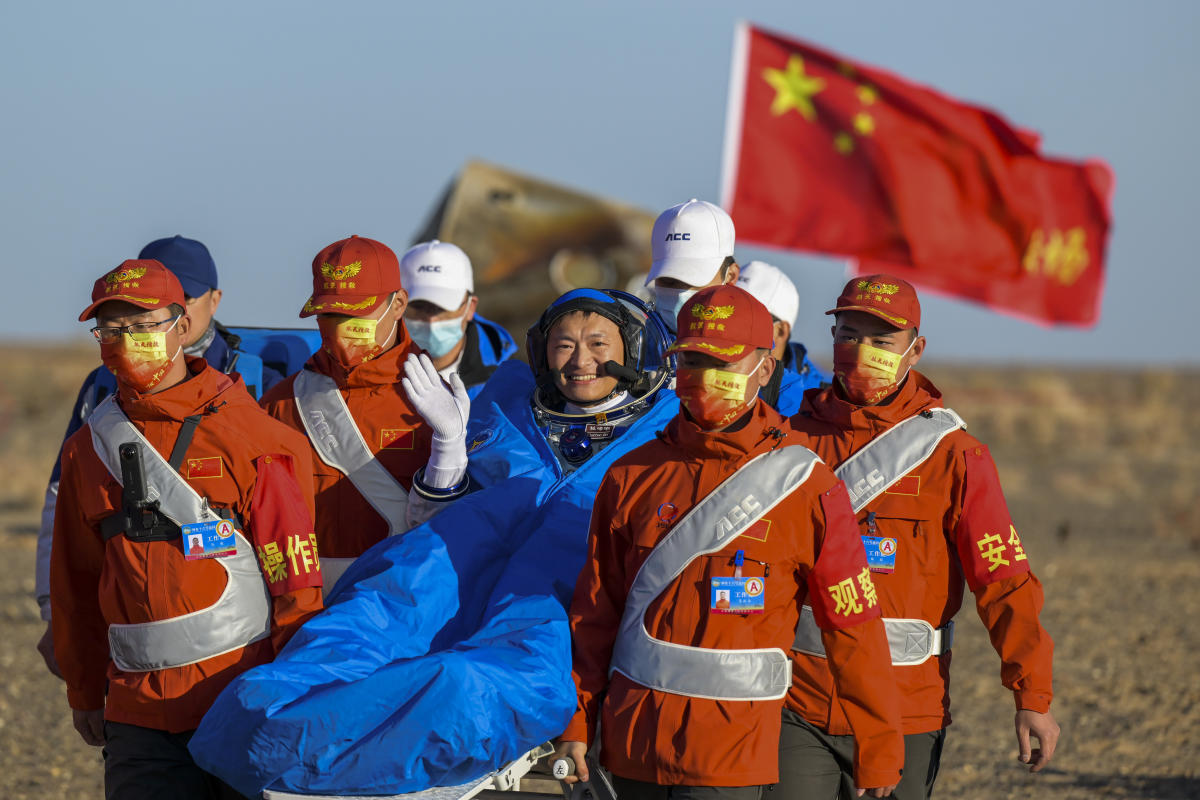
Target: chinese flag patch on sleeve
208	467
396	439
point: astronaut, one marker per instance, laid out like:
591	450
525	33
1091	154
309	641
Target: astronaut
445	652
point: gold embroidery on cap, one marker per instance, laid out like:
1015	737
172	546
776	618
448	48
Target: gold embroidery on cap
341	273
127	274
712	312
370	301
877	288
737	349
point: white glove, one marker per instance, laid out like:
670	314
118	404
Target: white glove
446	411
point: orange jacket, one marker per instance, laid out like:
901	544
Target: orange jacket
239	459
802	547
950	521
346	523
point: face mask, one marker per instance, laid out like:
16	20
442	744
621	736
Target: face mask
437	337
351	340
669	302
713	397
867	374
140	360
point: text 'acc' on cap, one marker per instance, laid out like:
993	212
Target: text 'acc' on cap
438	273
690	242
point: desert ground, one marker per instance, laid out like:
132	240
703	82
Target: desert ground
1101	470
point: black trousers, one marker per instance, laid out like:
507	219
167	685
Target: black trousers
627	789
816	766
148	764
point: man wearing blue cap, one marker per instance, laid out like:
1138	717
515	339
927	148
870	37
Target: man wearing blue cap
192	264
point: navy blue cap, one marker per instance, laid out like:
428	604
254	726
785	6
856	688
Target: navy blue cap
188	259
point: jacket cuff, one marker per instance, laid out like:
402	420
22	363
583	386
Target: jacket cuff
439	495
578	730
873	777
1030	700
85	700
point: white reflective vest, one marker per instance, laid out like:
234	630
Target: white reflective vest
727	512
241	615
339	443
867	474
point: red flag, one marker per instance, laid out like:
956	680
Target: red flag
827	155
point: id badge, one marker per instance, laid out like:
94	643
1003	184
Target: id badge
737	596
881	553
208	540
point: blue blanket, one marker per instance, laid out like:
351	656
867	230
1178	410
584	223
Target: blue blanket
443	653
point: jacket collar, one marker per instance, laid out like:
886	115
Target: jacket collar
759	425
916	394
385	368
204	388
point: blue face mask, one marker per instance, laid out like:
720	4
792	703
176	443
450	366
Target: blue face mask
669	302
438	337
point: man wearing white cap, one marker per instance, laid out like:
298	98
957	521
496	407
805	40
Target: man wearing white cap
691	247
441	316
776	291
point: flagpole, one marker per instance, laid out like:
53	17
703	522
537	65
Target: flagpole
733	112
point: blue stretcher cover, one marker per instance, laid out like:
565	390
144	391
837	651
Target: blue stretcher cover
444	652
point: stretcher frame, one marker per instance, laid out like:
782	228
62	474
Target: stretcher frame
506	779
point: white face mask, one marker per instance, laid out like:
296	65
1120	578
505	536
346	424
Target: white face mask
438	337
669	302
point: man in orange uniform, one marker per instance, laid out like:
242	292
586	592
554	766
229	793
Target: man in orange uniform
367	439
147	634
931	514
703	546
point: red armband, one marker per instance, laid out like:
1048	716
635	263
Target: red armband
987	541
840	588
282	529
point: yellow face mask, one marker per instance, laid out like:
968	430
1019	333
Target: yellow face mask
867	374
351	340
713	397
139	359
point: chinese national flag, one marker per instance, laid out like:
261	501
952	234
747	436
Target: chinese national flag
823	154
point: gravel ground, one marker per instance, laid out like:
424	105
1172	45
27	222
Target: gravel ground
1101	471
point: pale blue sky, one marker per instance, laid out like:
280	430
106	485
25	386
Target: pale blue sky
269	129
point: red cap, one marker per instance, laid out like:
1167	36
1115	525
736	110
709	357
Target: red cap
892	300
725	322
144	282
352	277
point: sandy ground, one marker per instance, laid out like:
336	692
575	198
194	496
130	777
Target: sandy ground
1101	470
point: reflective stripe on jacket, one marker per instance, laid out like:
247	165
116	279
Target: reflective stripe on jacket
239	459
392	429
950	525
805	547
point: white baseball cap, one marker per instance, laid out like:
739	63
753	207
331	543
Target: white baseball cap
437	272
690	242
772	288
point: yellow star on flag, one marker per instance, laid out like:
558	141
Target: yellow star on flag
867	94
864	123
793	89
843	143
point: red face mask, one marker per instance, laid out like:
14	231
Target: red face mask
867	374
713	397
350	340
139	360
